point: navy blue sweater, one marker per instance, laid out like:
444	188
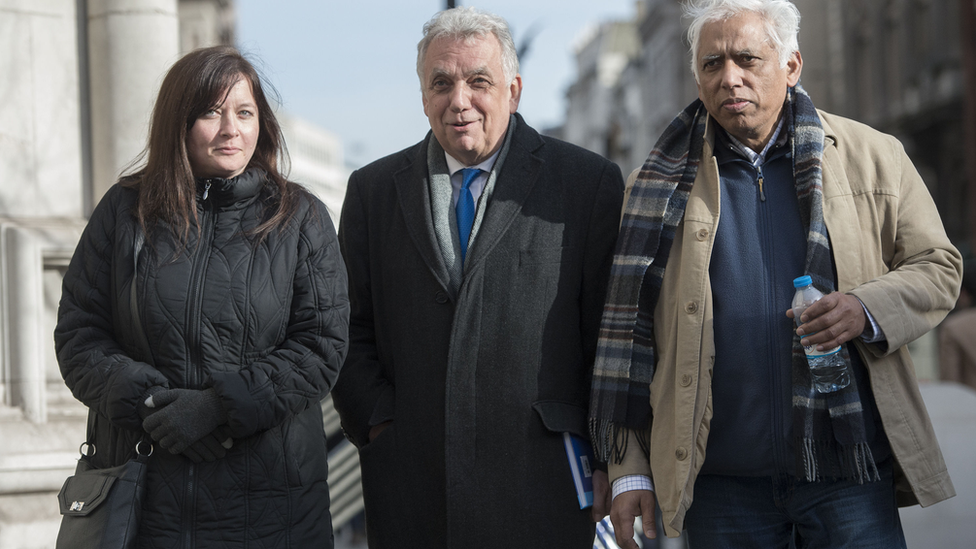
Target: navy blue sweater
760	247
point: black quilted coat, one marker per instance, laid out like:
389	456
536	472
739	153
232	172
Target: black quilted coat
263	323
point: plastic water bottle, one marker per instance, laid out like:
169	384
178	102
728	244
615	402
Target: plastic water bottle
827	367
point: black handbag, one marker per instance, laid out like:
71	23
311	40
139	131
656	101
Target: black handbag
100	508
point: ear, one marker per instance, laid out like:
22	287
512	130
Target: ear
793	68
516	91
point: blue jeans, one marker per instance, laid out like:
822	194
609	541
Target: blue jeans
773	512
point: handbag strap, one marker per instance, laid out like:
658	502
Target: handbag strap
140	335
90	435
140	240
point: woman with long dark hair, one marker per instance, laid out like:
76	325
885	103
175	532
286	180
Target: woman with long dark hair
205	310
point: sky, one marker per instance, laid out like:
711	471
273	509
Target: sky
349	66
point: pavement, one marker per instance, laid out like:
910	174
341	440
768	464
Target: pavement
950	524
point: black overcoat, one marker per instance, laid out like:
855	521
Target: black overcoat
480	384
263	323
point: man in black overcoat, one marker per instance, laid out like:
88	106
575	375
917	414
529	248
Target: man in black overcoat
476	299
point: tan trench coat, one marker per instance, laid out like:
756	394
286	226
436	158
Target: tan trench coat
890	250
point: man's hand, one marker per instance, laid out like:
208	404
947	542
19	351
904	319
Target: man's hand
627	506
375	430
602	495
835	319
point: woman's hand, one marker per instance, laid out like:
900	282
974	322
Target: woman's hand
186	416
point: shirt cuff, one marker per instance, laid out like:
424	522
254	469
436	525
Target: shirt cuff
629	483
872	332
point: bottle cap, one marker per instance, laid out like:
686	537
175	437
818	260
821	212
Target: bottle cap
802	281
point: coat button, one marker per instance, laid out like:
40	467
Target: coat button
691	307
440	297
702	234
681	453
686	380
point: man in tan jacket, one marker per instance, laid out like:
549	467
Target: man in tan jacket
748	189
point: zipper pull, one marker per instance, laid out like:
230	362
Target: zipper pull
206	189
762	195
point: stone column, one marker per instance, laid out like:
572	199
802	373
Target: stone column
25	341
131	44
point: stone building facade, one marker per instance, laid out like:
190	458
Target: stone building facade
79	80
602	56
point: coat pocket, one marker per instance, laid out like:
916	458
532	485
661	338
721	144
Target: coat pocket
562	417
304	449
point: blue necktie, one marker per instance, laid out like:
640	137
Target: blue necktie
465	209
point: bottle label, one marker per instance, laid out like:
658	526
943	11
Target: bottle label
812	352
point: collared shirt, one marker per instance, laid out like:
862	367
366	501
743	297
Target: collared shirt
454	166
758	159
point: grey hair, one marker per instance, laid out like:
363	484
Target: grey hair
781	19
462	24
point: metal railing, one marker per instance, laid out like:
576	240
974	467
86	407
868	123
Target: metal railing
345	489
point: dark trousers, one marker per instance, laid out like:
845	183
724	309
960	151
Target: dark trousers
775	512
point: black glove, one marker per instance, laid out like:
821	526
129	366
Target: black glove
187	415
211	447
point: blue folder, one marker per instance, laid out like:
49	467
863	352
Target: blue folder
580	455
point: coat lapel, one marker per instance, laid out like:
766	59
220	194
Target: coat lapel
515	182
411	185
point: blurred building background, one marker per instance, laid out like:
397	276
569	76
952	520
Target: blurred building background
81	75
905	67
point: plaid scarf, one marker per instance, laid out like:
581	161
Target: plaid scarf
828	428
